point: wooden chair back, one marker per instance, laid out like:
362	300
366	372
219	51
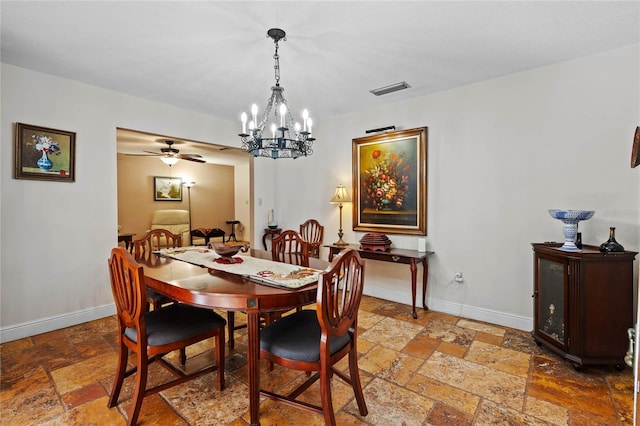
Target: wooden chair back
129	291
313	232
154	240
340	288
289	247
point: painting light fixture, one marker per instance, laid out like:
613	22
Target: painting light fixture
340	196
288	139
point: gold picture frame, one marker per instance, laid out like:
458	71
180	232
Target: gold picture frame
42	153
390	182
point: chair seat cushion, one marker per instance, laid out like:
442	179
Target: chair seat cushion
297	337
177	322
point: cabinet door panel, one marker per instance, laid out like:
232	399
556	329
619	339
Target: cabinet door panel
552	309
607	306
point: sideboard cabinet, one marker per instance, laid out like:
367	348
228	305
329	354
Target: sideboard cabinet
583	303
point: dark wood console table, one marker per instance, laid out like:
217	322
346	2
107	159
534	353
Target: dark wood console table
270	232
405	256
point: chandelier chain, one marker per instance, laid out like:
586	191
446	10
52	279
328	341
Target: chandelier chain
276	67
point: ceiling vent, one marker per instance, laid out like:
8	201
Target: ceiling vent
389	89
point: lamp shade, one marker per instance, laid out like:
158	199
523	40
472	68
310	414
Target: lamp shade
341	195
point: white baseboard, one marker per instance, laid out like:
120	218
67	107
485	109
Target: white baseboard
465	311
44	325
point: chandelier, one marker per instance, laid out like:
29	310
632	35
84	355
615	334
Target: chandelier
288	139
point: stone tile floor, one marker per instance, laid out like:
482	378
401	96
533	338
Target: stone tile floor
437	370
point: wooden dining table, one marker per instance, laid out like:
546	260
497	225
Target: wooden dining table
208	288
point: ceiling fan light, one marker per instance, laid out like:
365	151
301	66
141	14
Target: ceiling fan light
169	160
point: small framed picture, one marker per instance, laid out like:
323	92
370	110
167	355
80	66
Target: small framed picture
167	188
41	153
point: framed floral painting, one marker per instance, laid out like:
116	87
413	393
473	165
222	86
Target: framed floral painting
167	188
42	153
390	182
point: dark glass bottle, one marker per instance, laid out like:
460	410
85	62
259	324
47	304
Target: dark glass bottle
579	240
611	245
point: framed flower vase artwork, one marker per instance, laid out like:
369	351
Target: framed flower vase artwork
41	153
390	182
167	188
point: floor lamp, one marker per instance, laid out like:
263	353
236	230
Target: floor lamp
340	196
188	184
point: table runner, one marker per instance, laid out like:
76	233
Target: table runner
259	270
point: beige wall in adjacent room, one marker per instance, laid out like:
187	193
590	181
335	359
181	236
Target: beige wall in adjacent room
212	197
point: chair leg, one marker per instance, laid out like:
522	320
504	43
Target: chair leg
220	359
354	373
141	385
325	393
183	356
123	354
231	325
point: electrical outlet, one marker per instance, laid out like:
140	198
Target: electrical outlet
458	277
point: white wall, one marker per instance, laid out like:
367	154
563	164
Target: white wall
56	237
242	177
501	153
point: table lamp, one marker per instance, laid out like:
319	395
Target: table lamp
340	196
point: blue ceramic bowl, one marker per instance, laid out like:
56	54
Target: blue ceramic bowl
571	215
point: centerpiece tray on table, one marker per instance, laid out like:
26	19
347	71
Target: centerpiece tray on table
263	271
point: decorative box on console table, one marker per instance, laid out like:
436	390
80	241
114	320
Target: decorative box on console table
375	242
583	303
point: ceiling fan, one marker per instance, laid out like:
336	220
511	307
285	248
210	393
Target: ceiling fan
171	156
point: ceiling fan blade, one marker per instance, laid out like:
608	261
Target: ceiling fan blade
154	153
191	158
150	154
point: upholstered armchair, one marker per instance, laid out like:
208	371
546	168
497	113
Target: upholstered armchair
176	221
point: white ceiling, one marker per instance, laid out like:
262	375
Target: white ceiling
214	58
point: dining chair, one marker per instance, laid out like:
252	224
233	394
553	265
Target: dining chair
310	340
288	247
143	250
153	334
313	232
